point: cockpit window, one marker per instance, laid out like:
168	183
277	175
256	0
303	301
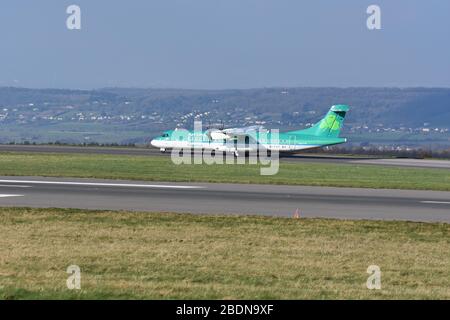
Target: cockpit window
165	135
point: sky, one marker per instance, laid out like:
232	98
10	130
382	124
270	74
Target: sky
224	44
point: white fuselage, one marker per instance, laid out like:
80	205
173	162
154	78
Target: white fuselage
163	145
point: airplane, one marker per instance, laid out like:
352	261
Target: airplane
249	139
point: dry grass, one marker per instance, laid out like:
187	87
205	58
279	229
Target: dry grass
143	255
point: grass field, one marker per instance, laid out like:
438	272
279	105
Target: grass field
166	256
162	169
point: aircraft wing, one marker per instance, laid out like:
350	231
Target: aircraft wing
245	131
231	133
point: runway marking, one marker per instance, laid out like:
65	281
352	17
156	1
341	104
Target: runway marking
14	186
10	195
436	202
100	184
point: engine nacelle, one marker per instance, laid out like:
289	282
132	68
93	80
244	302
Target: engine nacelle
218	135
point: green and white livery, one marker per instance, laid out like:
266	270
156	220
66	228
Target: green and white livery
251	139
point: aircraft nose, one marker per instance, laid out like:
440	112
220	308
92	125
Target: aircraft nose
153	142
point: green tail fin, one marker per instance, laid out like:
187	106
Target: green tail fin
330	126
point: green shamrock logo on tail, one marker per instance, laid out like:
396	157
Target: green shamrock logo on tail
331	122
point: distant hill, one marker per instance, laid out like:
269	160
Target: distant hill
391	106
132	115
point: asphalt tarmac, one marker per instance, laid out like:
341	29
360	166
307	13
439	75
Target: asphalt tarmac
205	198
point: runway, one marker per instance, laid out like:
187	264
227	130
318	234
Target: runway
206	198
317	158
